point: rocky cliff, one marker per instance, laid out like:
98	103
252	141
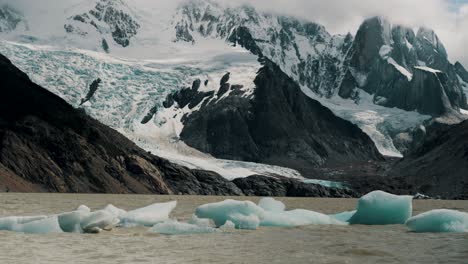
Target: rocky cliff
276	124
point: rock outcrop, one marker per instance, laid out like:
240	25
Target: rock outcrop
277	124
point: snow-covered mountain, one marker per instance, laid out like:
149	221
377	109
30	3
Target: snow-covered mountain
156	49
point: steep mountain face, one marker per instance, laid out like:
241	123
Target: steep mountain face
155	49
304	50
439	165
48	146
381	60
461	71
402	69
275	124
108	17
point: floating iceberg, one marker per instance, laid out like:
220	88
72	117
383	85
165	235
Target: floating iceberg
178	228
241	213
9	223
381	208
30	224
269	212
149	215
298	217
441	220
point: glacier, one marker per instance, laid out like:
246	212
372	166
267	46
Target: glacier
438	221
137	78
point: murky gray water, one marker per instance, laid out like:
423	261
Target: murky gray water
311	244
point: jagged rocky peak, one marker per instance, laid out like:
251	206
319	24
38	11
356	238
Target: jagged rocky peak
384	60
10	18
428	36
461	71
108	17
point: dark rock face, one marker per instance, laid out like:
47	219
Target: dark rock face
461	71
385	59
268	186
439	166
92	90
276	125
121	25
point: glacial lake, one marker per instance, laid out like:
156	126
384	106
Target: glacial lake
309	244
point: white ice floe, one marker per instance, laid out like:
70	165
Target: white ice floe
172	227
437	221
30	224
269	212
381	208
149	215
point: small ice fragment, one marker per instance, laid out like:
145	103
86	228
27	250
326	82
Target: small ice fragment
172	227
71	221
438	221
149	215
9	223
114	210
272	205
242	221
231	210
99	220
381	208
344	216
228	226
194	220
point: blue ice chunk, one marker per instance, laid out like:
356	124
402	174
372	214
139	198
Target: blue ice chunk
438	221
381	208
